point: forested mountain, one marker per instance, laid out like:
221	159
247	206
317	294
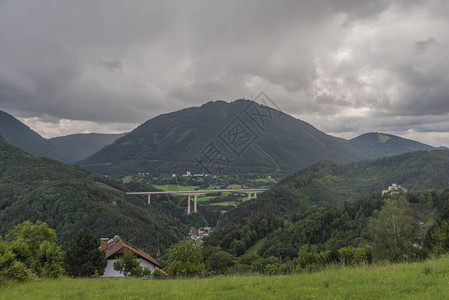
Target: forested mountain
76	147
329	204
328	183
218	137
20	135
237	137
376	145
68	198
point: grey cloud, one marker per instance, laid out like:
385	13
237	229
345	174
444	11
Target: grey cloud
116	63
113	65
422	46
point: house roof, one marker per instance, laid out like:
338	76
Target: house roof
117	246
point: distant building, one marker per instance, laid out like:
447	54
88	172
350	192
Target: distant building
197	234
115	248
393	189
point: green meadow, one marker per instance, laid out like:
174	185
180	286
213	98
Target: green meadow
426	280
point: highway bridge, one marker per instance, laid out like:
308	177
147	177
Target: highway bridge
195	193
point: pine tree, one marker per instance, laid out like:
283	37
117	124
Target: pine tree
84	258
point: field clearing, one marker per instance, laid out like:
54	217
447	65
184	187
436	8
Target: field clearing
269	181
428	280
175	187
127	179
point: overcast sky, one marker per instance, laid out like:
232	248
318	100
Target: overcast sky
345	66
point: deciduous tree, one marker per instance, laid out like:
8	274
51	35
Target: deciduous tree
185	259
393	231
31	248
129	265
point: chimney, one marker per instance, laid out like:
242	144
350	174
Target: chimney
104	244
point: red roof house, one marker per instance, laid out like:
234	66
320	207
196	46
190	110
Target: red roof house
114	248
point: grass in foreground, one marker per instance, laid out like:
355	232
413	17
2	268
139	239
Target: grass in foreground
428	280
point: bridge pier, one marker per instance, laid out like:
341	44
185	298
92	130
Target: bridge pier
188	204
255	195
149	199
194	204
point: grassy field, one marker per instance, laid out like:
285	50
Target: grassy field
428	280
175	187
127	179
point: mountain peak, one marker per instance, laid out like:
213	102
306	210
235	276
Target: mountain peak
22	136
377	144
253	137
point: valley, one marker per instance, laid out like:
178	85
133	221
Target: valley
275	221
224	150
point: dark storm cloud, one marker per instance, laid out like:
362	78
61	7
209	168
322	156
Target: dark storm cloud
344	66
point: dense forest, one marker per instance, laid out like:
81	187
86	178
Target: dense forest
329	183
328	233
68	198
329	205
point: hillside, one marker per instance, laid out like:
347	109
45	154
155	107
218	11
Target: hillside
329	204
20	135
246	137
328	183
76	147
67	198
376	145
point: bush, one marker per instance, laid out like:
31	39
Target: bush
30	250
18	271
158	273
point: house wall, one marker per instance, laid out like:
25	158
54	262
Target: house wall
110	272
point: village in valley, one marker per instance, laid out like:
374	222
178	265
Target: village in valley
198	234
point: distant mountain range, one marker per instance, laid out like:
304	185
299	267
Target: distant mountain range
76	147
204	139
218	137
376	145
237	137
69	149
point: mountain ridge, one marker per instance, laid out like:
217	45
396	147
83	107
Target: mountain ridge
273	141
22	136
376	145
179	141
68	149
75	147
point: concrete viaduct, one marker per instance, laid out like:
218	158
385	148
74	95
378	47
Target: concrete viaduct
250	192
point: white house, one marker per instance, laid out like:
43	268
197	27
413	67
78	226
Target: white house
114	248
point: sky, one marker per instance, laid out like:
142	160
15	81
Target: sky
345	66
